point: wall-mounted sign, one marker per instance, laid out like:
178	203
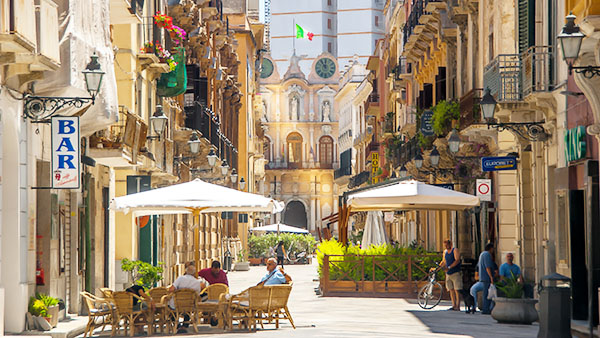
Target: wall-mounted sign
66	158
575	144
498	163
426	123
449	186
483	189
374	167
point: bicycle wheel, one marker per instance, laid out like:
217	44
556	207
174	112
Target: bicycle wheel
430	295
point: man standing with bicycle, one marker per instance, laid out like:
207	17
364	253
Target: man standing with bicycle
451	264
486	277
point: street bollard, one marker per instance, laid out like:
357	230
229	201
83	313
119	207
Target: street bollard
555	306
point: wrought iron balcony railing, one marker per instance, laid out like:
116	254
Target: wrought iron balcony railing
358	180
511	77
341	172
418	10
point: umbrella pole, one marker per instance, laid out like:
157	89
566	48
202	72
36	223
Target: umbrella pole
196	221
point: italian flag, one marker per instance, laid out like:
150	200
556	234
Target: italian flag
301	33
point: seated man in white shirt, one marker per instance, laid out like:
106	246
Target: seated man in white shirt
187	281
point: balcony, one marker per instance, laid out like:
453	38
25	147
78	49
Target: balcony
358	180
512	77
373	101
344	171
469	107
122	143
200	118
422	12
406	152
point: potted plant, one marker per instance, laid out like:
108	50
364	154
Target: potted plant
44	309
142	273
513	308
241	264
51	304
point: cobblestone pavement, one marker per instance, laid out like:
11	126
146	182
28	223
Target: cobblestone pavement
316	316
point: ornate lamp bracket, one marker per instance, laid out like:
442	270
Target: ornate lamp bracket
41	108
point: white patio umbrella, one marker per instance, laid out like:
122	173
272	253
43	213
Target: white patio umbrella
410	195
374	230
195	197
280	227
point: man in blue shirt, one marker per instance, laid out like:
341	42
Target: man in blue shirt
274	276
486	278
509	269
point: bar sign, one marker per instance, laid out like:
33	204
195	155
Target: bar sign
66	157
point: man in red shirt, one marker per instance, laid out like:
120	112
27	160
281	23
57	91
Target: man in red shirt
214	274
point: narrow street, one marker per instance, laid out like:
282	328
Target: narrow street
316	316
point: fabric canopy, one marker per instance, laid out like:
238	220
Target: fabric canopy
410	195
194	196
374	233
281	228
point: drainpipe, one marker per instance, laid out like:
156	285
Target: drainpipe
88	241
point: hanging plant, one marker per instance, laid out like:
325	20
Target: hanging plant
164	21
444	112
165	57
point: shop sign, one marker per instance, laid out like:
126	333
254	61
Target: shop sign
66	156
484	190
374	167
449	186
575	144
426	123
498	163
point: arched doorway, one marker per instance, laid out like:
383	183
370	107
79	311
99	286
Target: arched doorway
295	214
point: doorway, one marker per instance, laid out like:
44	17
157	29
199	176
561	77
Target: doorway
579	277
295	214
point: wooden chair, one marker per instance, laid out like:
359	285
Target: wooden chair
123	302
98	308
249	306
278	307
106	292
214	291
211	307
160	318
185	304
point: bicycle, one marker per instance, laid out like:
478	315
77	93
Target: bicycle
430	294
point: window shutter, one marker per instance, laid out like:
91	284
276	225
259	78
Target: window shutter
526	24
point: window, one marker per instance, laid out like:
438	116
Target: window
294	150
328	2
328	23
329	47
376	20
326	152
267	149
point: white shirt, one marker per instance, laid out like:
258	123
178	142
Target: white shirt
187	282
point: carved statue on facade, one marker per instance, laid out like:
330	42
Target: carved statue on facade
326	111
264	112
294	108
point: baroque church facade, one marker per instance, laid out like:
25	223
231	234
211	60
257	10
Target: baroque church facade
301	135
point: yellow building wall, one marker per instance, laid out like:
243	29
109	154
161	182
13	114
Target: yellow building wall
125	229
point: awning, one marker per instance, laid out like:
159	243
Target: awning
195	196
280	227
410	195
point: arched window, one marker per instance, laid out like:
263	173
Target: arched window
294	150
326	152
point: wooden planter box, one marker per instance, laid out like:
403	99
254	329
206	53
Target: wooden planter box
255	261
400	289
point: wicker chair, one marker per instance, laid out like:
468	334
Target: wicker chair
161	312
185	304
106	293
98	308
211	307
249	306
278	307
123	302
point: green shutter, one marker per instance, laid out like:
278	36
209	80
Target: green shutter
526	24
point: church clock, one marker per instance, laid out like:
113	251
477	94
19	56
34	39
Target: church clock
325	68
266	69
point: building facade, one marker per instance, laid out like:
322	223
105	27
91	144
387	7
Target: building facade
300	122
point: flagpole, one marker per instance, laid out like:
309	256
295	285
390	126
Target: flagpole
294	35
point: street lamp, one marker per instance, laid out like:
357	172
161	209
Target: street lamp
234	176
242	184
454	141
194	143
531	131
403	172
224	167
419	161
212	158
41	108
434	157
570	39
488	105
158	121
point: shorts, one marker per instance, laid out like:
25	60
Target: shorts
454	281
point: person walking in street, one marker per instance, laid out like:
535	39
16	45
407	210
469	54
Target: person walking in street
274	276
214	274
451	265
485	267
280	251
